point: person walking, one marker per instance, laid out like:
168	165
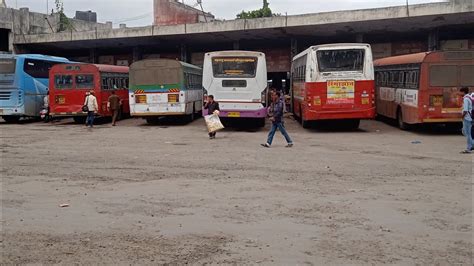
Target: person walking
276	116
114	104
92	108
211	106
46	107
467	118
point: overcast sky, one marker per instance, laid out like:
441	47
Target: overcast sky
140	12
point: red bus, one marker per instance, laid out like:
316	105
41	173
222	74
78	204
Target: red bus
423	87
70	82
334	82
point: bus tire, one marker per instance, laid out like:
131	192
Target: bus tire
79	119
152	120
191	116
11	118
354	124
402	125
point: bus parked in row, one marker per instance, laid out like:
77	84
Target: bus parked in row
333	82
423	87
165	87
69	84
24	83
238	81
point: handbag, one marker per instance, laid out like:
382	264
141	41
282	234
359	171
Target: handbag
85	107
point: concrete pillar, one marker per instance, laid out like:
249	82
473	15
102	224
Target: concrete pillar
294	48
10	42
236	45
93	56
184	52
24	20
359	38
137	54
433	40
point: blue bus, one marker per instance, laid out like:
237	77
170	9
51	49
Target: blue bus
24	83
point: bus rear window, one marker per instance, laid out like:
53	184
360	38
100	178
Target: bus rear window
7	66
341	60
241	67
443	76
63	81
467	75
85	81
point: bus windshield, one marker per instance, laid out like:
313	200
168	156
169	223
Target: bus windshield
341	60
7	66
237	67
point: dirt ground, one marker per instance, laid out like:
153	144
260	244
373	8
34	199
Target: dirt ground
166	194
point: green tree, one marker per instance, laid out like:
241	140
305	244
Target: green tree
263	12
64	22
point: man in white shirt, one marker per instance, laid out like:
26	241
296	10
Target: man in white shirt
92	108
46	100
467	118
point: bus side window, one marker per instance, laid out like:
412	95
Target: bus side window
105	85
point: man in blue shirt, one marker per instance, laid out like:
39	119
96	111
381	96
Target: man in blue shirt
276	116
467	118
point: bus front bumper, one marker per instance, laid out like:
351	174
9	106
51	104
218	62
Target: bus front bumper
16	111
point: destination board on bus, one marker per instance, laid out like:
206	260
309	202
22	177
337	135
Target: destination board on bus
234	66
340	91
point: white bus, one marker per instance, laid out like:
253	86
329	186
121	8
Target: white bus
165	87
238	81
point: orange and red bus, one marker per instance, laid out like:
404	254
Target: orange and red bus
423	87
69	84
334	82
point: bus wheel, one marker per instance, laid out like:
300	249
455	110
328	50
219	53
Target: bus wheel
354	124
79	119
402	125
152	120
11	118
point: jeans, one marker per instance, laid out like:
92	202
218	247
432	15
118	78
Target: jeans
281	127
90	119
466	131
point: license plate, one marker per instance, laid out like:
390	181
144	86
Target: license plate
233	114
365	100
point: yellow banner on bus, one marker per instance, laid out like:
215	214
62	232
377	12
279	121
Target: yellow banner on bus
340	91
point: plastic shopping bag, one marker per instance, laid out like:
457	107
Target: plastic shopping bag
213	123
